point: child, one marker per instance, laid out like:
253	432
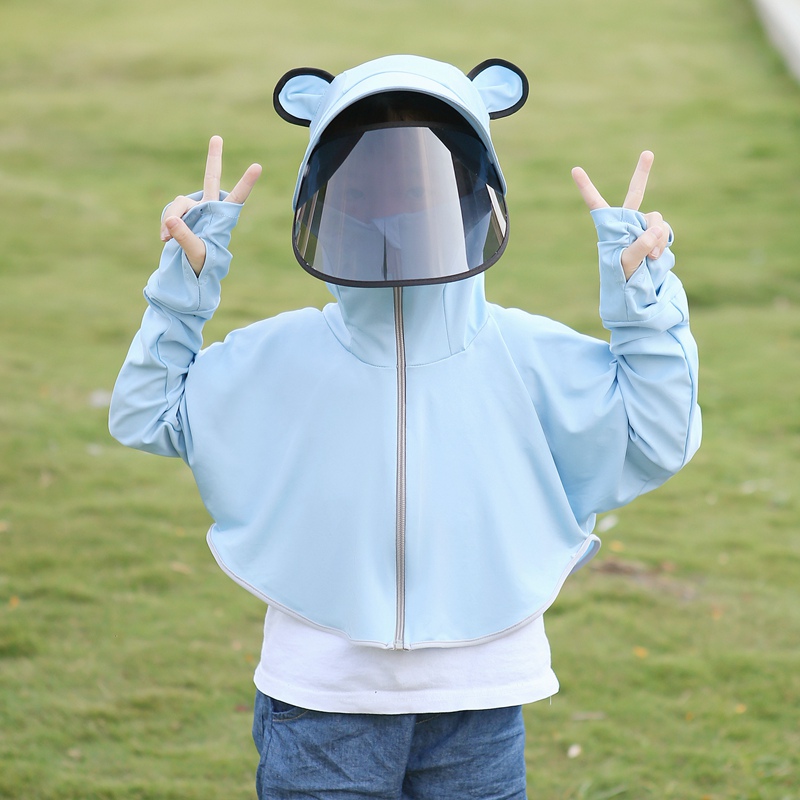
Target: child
408	476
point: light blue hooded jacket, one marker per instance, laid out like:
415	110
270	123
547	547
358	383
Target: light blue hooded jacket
444	522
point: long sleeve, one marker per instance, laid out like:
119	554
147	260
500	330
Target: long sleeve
147	410
620	418
648	318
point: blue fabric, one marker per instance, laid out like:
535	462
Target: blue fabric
314	755
500	88
520	431
495	88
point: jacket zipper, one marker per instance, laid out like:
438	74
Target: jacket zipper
400	514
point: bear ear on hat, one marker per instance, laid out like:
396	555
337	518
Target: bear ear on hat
298	94
502	86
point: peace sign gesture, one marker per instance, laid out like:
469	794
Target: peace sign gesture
173	226
656	236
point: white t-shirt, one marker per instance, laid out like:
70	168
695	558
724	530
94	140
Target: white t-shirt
312	668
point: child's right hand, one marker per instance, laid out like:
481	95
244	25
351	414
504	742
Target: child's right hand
172	224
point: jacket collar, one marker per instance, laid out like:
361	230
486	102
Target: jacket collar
438	321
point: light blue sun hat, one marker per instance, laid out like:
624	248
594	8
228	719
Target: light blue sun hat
313	97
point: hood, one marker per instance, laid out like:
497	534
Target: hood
439	321
314	97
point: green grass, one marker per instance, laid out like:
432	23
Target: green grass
125	655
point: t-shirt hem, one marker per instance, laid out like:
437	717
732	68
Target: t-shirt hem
402	702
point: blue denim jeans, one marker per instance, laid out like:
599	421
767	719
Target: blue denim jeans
453	756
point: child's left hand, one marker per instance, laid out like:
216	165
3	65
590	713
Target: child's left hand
653	241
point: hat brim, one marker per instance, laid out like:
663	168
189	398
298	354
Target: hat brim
390	82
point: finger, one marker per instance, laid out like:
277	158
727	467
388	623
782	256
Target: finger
177	208
654	219
213	174
591	196
191	244
639	181
634	254
242	190
660	246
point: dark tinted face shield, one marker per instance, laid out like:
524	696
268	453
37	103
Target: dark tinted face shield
399	205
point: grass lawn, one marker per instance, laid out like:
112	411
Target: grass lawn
126	655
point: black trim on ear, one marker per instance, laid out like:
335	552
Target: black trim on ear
501	62
293	73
